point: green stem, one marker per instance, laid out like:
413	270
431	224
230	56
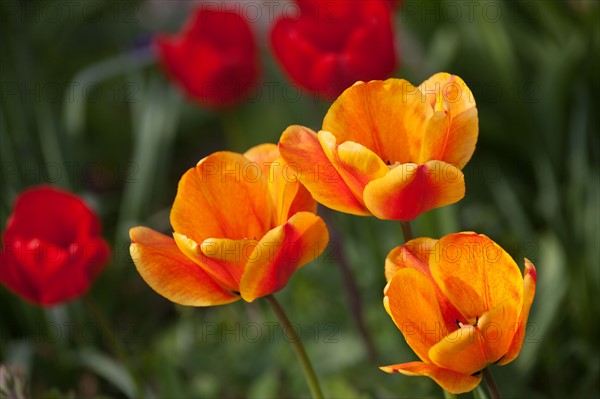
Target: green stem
479	393
309	372
448	395
407	231
491	384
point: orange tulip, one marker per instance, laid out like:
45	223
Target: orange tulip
242	227
461	304
388	148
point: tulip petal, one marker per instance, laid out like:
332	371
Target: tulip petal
529	285
355	163
414	254
451	133
301	149
444	91
171	274
222	272
461	351
289	196
225	195
497	328
410	300
450	139
280	252
451	381
475	273
409	190
388	117
263	155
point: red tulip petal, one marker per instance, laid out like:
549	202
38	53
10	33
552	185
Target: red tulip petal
281	252
301	149
409	190
171	274
451	381
52	215
213	59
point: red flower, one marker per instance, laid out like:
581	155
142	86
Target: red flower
213	59
52	249
335	43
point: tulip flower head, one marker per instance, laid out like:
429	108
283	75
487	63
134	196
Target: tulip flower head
387	148
213	59
334	43
52	248
242	227
461	304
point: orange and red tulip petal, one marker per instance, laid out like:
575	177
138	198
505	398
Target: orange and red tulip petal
171	274
413	254
301	149
389	117
529	285
411	301
475	273
223	196
451	381
497	329
354	162
221	272
461	351
303	202
280	252
409	190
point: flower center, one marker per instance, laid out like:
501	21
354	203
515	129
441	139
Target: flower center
461	325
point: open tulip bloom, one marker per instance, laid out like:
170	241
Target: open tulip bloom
243	224
387	148
461	304
242	227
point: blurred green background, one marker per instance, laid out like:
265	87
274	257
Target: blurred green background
85	107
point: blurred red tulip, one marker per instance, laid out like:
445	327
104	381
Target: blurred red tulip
334	43
52	249
213	59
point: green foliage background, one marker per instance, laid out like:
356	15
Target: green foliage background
532	186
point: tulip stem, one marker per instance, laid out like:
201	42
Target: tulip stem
309	372
491	384
407	231
448	395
